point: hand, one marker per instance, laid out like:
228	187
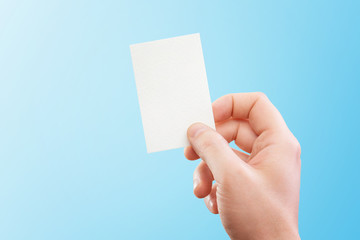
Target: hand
256	194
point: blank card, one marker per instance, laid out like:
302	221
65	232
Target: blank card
172	88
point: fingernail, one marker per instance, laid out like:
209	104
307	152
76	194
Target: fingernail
196	182
211	204
196	129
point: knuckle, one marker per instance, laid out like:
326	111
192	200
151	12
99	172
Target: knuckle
294	146
298	147
261	95
196	172
288	143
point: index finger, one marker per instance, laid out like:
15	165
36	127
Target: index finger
255	107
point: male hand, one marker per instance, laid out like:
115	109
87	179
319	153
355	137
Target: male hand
256	194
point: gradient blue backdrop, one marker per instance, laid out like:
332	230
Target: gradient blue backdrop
73	162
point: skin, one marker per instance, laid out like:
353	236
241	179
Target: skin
255	193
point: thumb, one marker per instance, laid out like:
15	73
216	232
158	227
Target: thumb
214	150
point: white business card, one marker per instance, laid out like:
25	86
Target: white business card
172	89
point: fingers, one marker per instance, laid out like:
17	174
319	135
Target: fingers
190	154
203	179
255	107
214	150
238	130
203	187
211	201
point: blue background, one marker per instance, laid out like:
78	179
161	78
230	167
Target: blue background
73	161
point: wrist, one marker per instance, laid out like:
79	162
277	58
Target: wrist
278	232
282	233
